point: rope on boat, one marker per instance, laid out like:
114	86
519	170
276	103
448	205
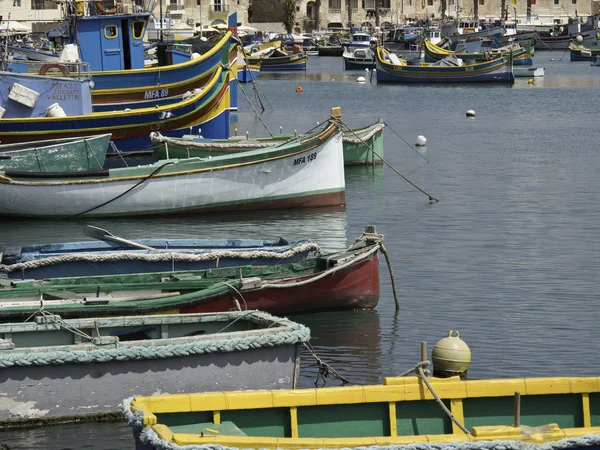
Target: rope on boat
325	370
290	333
422	371
431	199
373	237
179	256
158	169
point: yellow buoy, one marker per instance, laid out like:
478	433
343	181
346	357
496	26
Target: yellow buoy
451	356
531	80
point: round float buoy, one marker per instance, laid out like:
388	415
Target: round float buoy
298	88
470	113
532	81
579	39
361	79
552	59
451	356
421	141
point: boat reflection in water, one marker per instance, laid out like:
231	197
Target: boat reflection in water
289	224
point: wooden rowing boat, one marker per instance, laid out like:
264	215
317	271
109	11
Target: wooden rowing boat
361	146
308	172
345	280
81	369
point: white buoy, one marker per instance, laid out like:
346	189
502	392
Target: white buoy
552	59
470	113
421	141
361	79
579	39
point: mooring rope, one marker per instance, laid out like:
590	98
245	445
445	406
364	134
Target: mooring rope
422	371
172	256
325	370
389	165
403	140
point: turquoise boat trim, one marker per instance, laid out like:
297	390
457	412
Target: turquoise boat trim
141	350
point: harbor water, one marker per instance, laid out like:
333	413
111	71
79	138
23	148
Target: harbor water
509	256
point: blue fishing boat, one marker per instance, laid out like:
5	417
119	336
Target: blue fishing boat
111	254
391	69
207	108
247	72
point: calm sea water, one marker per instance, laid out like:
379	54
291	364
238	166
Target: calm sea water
510	256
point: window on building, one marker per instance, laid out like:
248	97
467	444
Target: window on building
385	3
16	3
533	2
198	2
218	5
482	2
429	2
335	4
556	2
573	2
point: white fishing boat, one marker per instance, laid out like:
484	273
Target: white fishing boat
307	172
528	72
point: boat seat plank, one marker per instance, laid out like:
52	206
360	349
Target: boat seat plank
226	428
60	294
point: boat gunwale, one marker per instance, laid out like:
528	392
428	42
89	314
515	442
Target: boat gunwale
305	146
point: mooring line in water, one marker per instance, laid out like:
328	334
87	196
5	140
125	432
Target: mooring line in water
254	85
255	111
386	162
325	370
402	139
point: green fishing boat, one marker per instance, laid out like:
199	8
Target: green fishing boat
405	413
361	146
67	155
345	280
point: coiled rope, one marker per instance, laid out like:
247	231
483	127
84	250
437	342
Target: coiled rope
179	256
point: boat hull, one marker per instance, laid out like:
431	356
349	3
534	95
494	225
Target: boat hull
497	70
358	145
276	63
401	414
68	155
248	73
82	381
354	288
107	257
208	109
310	174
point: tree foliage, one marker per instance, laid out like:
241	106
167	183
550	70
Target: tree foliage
289	9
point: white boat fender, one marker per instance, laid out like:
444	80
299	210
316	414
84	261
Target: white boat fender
421	141
579	39
470	113
55	110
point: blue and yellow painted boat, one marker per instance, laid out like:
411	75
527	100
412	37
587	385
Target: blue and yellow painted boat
248	72
391	69
521	56
403	413
207	108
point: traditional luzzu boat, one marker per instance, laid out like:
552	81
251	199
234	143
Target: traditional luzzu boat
579	52
207	106
247	72
405	413
344	280
361	145
272	56
81	369
114	255
308	172
60	155
391	69
520	56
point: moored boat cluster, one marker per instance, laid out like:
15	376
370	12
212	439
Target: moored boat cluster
185	338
